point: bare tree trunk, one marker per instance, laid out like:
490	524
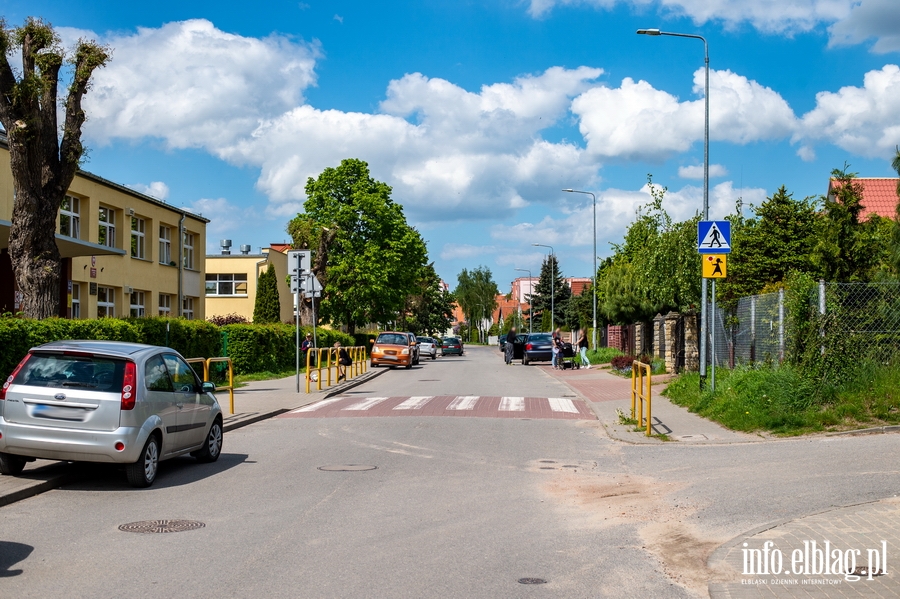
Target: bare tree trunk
34	255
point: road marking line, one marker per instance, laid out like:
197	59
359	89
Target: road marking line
315	406
366	403
464	402
414	403
561	404
512	404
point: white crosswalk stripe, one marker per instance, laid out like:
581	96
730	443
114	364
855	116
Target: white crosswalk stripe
512	404
315	406
561	404
366	403
414	403
464	402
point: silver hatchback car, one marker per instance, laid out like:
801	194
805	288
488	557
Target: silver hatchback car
106	401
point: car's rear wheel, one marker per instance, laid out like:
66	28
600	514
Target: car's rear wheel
142	473
212	447
524	360
11	464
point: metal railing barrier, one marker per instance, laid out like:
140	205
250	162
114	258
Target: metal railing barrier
640	393
206	362
326	358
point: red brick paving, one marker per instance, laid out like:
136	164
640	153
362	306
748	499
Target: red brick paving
595	384
485	407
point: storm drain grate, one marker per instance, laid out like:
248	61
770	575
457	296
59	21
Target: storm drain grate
548	461
160	526
532	581
347	468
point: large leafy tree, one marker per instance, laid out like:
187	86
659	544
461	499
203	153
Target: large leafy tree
476	293
45	150
551	290
368	258
267	308
777	240
429	309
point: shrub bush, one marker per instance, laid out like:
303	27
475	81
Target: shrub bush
221	320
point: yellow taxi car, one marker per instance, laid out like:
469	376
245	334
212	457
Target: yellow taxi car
394	349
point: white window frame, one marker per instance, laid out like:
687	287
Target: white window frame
137	304
165	244
188	249
108	223
232	279
138	236
165	304
109	304
73	213
187	307
76	300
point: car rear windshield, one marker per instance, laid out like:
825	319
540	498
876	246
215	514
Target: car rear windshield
539	338
62	371
392	339
425	340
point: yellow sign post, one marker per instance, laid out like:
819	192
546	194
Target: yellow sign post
715	266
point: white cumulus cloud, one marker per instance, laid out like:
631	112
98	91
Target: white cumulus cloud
637	121
156	189
878	19
863	120
194	85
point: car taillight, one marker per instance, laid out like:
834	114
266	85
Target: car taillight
128	382
12	377
528	346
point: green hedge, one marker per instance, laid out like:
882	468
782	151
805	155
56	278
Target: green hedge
253	348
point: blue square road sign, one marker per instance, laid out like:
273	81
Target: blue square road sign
714	237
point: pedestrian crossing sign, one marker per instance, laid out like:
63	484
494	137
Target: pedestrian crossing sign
714	237
715	266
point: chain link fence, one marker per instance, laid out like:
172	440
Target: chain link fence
863	315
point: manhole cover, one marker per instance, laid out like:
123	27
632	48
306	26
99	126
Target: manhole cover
429	380
569	466
548	461
547	468
532	581
347	468
158	526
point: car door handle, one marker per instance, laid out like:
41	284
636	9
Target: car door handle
179	405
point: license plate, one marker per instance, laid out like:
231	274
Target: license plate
390	357
57	413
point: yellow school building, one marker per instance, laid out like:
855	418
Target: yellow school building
124	253
232	280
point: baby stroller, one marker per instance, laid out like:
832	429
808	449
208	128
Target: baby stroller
570	358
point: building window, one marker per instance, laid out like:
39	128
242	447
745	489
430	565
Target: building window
76	300
107	227
187	308
106	302
188	250
235	284
165	244
137	304
137	238
165	304
69	217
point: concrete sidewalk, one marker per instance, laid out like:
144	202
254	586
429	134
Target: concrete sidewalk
256	401
606	392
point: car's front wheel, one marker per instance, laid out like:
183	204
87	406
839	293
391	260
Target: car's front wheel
212	447
142	473
11	464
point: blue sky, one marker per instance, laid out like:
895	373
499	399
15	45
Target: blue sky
479	112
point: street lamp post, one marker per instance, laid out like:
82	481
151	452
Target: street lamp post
704	316
593	276
530	279
552	278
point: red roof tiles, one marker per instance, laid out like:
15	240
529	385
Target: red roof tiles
879	195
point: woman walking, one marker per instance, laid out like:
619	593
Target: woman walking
583	347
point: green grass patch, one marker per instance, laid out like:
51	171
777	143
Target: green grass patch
603	355
785	401
241	380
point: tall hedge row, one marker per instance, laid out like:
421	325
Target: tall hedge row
253	348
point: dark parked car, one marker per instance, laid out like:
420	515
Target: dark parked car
538	348
451	346
518	346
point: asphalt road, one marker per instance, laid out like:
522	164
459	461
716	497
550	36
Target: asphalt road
456	507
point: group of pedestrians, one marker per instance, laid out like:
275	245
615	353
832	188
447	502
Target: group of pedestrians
557	346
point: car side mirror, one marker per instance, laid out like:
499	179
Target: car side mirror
209	387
